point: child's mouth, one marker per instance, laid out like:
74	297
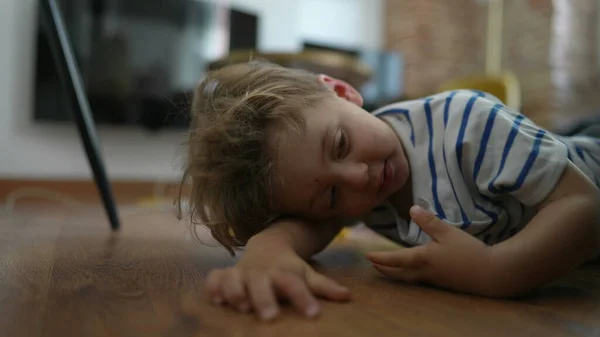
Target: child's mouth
386	177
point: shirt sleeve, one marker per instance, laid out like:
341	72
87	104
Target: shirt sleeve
504	153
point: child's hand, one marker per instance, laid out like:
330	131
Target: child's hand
453	259
256	283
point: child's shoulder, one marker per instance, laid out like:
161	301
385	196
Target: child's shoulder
451	108
438	100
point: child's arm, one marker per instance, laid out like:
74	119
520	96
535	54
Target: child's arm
563	235
302	237
274	265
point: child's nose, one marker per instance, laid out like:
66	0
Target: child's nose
355	175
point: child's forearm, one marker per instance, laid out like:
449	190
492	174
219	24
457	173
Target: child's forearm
560	237
292	235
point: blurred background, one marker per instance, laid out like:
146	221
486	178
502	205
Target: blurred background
140	61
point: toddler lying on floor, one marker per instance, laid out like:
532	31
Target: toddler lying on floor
280	159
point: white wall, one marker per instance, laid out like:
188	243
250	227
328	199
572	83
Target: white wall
50	151
278	28
286	24
31	150
345	23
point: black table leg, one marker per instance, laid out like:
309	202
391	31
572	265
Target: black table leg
69	73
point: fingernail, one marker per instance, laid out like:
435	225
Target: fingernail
416	210
312	310
269	314
342	288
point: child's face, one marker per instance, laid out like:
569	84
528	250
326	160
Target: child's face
344	163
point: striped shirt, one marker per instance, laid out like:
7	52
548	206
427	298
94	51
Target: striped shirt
477	164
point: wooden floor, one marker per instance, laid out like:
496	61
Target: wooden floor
65	274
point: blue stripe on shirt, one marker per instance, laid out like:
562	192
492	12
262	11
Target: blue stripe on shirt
406	114
579	153
434	179
507	146
465	219
493	216
478	92
494	220
461	132
484	140
479	160
569	156
582	156
529	162
447	107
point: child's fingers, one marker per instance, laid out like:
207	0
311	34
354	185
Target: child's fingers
400	258
262	297
292	287
213	285
402	274
327	288
234	290
429	223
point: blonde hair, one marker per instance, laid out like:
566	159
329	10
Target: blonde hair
235	111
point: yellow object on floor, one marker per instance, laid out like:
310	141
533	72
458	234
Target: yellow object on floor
505	86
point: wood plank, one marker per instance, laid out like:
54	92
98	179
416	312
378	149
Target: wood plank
26	262
72	276
85	191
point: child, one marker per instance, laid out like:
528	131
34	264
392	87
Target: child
280	159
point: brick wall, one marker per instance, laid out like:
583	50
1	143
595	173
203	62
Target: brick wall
549	44
438	41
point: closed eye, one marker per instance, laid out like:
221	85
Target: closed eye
342	145
333	198
341	150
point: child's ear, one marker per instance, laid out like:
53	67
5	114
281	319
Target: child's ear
342	89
